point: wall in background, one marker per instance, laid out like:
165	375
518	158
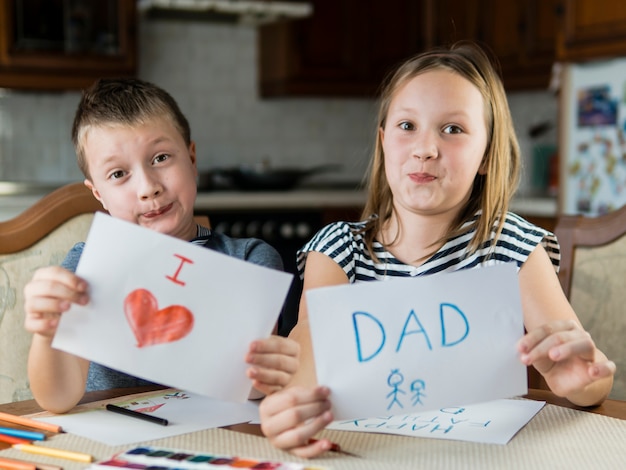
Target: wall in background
211	71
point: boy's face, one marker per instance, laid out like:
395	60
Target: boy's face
144	174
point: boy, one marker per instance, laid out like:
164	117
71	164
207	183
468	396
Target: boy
134	148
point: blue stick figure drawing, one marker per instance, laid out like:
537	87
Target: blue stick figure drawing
417	386
394	380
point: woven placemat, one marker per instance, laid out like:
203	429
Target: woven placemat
556	438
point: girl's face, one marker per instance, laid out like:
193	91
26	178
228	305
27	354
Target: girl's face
434	141
144	174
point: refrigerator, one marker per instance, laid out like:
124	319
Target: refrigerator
592	137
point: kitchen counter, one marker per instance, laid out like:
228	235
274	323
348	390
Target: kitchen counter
296	199
338	198
307	198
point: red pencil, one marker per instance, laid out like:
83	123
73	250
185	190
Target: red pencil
13	440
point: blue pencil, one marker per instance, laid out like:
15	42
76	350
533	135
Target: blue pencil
30	435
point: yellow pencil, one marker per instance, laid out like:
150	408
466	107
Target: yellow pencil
51	452
29	422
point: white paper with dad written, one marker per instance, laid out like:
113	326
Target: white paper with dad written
170	311
417	344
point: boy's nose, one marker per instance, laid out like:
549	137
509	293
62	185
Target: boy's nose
149	187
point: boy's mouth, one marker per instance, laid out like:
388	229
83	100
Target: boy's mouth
158	212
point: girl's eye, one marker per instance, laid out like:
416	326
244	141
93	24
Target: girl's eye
161	158
452	129
406	126
116	175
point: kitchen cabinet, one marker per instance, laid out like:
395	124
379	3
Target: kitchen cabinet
66	44
522	35
344	49
347	46
591	30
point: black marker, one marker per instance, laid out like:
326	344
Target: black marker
137	414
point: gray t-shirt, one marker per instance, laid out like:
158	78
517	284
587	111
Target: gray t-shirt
247	249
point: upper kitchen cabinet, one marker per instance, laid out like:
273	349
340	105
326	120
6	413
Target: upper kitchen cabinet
591	30
66	44
347	46
344	49
522	35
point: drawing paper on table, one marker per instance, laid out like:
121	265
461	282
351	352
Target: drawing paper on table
186	412
494	422
418	344
164	309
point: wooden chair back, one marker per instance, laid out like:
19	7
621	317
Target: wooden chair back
40	236
592	274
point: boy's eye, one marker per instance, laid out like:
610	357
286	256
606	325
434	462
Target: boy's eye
406	126
452	129
161	158
116	175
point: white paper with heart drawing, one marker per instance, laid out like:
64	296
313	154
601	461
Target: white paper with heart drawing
170	311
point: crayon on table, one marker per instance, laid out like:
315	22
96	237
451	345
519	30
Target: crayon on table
9	418
52	452
30	435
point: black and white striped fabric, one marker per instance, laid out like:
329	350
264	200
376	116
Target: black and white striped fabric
343	242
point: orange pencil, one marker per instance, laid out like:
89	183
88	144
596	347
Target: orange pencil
24	465
11	464
29	422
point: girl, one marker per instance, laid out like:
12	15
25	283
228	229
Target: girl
444	169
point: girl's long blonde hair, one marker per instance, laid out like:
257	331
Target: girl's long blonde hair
491	192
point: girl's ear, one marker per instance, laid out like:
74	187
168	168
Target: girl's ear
482	170
484	164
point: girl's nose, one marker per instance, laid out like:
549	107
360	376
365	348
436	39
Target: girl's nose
425	146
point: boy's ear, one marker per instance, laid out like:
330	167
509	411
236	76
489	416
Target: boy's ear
95	192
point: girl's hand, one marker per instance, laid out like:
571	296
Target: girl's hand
291	417
565	355
273	361
50	293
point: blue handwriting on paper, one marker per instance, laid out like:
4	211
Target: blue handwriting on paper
449	314
444	422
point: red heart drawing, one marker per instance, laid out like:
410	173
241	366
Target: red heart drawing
153	326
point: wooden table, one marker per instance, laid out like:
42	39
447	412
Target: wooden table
612	408
548	434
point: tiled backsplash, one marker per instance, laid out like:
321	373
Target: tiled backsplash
211	71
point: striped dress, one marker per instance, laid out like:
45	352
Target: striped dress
343	243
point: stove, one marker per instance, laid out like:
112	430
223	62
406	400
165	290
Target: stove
286	230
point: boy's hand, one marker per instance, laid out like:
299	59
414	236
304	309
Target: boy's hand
51	292
273	361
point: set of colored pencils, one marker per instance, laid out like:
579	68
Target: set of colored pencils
22	440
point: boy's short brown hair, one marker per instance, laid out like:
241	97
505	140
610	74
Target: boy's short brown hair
125	102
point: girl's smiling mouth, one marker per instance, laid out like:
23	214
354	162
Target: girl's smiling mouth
422	177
